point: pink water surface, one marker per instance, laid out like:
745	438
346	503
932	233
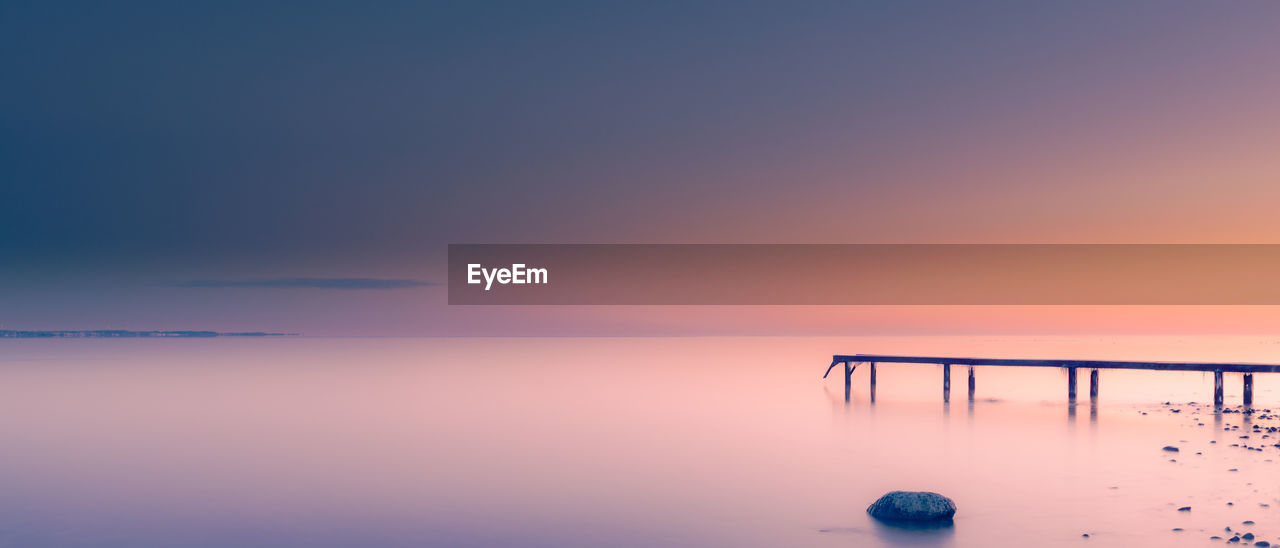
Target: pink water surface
616	442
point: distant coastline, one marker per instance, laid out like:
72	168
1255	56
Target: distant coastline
123	333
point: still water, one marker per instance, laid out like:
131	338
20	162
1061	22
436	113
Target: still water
618	442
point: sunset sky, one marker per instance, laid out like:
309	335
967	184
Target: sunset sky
302	167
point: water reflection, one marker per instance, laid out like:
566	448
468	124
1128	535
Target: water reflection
915	534
1093	414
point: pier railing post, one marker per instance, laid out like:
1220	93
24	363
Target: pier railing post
1217	388
1093	384
972	383
946	382
1071	383
1248	388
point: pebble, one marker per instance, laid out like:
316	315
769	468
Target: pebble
1245	433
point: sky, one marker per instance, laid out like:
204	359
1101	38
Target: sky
302	166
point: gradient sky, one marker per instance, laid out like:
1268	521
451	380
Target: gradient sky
170	166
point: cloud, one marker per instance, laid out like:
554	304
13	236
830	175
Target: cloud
307	283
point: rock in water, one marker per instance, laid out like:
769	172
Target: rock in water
1171	449
912	506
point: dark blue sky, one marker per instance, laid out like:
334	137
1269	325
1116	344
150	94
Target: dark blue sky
143	144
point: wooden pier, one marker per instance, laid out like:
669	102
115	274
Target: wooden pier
1072	366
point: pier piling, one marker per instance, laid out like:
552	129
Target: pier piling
1248	388
946	382
1071	383
848	375
1093	384
873	382
972	383
1217	388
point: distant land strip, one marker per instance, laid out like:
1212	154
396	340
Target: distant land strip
122	333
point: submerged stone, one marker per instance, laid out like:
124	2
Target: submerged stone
912	506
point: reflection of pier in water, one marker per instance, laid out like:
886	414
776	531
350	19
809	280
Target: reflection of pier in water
1071	366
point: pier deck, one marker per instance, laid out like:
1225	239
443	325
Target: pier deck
851	362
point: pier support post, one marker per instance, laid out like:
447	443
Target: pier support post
1217	388
946	382
1093	384
972	383
1248	388
1071	383
848	374
873	382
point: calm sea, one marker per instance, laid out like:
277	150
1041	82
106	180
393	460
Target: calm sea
617	442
